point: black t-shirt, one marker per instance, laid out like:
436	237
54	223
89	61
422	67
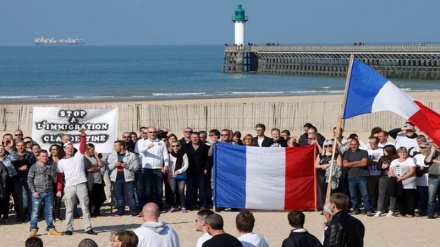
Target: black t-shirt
222	240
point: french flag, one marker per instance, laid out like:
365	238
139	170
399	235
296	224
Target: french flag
368	92
264	177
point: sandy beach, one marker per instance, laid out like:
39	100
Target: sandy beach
383	231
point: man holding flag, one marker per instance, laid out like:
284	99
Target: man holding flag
367	91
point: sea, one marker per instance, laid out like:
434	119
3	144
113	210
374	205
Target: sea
105	73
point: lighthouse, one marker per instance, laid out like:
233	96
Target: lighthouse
239	19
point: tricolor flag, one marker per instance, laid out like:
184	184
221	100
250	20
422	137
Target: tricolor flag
264	178
369	92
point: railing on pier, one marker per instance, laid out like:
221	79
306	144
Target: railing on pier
335	48
418	61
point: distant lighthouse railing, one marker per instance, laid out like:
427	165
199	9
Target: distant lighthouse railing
418	48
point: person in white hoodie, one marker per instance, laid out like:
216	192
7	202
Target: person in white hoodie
154	233
245	225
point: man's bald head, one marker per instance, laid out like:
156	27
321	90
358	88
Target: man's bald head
150	212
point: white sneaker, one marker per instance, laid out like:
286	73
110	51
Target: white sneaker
377	214
390	214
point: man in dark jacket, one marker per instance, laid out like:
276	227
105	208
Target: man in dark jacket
299	237
343	230
261	140
197	153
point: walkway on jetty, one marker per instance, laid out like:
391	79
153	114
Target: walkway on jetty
418	61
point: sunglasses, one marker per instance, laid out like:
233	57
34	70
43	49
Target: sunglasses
151	132
328	146
173	146
126	137
187	131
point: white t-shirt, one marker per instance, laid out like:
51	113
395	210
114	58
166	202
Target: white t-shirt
374	155
381	146
73	169
404	141
420	161
401	168
203	239
253	240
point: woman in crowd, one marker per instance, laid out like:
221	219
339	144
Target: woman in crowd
236	138
177	175
322	163
403	170
28	143
87	242
292	142
169	195
56	154
389	154
124	238
248	139
170	139
134	137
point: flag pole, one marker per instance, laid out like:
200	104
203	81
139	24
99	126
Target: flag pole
339	122
315	189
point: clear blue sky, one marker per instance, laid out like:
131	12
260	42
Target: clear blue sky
147	22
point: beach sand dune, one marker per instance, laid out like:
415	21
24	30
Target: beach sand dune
382	231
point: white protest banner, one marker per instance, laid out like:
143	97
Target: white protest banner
49	124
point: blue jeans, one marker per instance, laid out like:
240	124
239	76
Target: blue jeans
180	184
125	190
355	185
150	187
47	198
433	184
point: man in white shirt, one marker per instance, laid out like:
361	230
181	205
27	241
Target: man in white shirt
154	160
72	167
245	222
201	226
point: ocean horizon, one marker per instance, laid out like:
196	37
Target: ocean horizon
108	73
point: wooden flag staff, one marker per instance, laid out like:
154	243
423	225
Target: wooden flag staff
340	123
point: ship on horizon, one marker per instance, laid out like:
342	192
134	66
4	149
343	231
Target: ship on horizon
52	41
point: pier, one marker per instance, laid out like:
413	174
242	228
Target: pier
411	61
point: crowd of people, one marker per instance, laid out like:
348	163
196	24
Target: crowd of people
381	177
